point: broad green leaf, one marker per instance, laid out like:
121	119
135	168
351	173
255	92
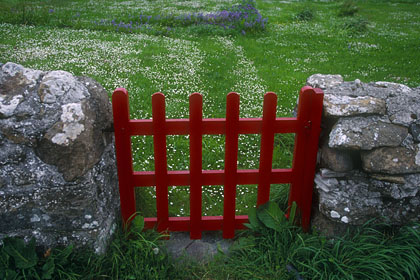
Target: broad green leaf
23	255
138	223
9	275
254	223
249	226
48	269
4	260
271	215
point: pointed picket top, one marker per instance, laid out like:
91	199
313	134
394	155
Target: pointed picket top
158	106
233	95
119	91
309	90
120	95
305	89
158	96
270	97
232	104
195	97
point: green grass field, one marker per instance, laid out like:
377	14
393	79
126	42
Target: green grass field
380	42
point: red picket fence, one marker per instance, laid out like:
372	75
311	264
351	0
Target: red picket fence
306	128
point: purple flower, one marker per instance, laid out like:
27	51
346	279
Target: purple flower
243	32
51	11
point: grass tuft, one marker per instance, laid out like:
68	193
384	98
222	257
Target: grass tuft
348	8
305	14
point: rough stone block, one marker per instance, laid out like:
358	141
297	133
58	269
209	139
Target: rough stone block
398	160
366	133
336	160
356	198
344	106
404	109
324	81
415	131
58	178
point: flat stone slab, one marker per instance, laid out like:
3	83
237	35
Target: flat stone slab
181	247
58	180
366	133
324	81
398	160
404	109
358	197
345	106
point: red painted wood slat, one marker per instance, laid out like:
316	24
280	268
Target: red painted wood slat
212	126
161	172
211	177
209	223
196	142
231	164
306	146
267	143
121	114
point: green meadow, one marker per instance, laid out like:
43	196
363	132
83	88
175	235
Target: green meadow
181	47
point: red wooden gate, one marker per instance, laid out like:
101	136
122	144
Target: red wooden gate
306	128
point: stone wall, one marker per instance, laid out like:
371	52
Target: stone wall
58	179
369	157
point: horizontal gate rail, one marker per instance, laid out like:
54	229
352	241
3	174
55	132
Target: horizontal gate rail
212	126
306	127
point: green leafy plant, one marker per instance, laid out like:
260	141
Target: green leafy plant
20	261
138	224
270	215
